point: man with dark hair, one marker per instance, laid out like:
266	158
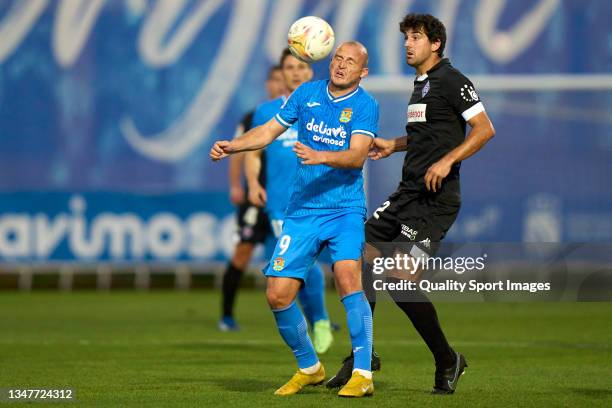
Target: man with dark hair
416	217
253	226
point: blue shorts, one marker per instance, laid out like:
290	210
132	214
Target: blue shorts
304	237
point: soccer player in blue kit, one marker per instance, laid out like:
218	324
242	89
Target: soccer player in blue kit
337	121
279	171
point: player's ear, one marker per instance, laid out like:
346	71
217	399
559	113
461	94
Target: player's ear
435	46
364	72
310	73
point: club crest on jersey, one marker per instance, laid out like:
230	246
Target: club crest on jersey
425	89
278	264
346	115
468	93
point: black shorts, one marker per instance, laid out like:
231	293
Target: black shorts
408	217
253	224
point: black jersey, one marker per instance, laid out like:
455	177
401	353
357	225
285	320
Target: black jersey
441	103
245	125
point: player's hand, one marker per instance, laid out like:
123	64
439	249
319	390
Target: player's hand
381	148
257	195
237	195
308	155
436	173
220	150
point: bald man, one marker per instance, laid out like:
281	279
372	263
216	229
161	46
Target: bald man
337	121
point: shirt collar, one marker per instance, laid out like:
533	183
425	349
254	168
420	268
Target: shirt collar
340	98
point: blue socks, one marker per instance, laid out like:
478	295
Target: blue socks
312	295
359	321
294	330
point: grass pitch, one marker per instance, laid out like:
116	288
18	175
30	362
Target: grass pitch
163	349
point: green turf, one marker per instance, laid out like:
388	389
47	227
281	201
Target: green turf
163	349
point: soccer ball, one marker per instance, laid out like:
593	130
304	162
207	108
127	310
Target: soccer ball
310	39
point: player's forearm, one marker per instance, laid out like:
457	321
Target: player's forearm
235	167
252	167
476	139
255	139
400	144
346	159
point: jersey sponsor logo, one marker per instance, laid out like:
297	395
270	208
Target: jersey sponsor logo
409	232
426	89
468	93
312	104
416	112
278	264
335	136
346	115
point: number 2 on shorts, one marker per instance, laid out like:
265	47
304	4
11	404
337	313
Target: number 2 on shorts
381	209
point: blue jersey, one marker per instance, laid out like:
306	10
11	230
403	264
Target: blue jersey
281	162
328	123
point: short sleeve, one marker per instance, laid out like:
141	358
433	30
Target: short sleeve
289	112
366	119
461	94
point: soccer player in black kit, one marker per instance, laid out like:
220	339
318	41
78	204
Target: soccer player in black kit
427	200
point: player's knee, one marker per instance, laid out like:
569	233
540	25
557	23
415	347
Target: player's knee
278	299
348	277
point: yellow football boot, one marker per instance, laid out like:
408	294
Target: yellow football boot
358	386
300	380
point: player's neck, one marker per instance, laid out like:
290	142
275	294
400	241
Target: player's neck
428	64
337	92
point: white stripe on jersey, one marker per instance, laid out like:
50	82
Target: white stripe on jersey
342	98
281	121
473	111
365	132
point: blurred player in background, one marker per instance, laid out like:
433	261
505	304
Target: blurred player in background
253	225
337	121
428	198
279	171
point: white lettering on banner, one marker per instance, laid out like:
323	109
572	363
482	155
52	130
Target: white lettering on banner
122	236
13	235
73	23
417	112
165	235
194	125
504	46
166	35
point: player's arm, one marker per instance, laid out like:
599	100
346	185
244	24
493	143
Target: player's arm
256	138
235	170
481	132
352	158
252	169
235	179
382	148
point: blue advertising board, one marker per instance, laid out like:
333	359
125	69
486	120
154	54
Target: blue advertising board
108	109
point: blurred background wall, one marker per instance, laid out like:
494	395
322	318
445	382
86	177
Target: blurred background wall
108	109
